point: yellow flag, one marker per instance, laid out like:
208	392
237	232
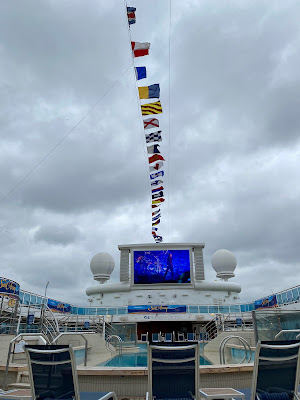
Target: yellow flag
151	108
144	92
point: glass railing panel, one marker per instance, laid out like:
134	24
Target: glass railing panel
193	309
26	298
101	311
213	309
270	322
122	310
244	307
235	309
223	309
203	309
284	297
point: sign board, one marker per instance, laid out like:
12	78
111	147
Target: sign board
7	286
266	302
156	309
58	306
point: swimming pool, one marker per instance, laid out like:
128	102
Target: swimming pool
136	359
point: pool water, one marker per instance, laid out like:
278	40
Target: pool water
136	359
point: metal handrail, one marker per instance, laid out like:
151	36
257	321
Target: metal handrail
242	340
108	340
42	335
75	333
287	330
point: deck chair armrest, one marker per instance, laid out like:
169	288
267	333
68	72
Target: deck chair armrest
109	395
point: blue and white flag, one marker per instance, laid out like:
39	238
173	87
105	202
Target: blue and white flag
155	183
154	149
140	73
157	195
153	137
156	217
157	174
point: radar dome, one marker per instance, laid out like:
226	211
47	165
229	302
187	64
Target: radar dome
224	263
102	265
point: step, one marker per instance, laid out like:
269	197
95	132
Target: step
19	385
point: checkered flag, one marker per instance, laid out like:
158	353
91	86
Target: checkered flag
153	137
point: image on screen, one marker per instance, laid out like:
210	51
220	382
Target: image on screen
162	266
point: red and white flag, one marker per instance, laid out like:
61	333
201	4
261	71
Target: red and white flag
156	157
140	46
150	123
156	167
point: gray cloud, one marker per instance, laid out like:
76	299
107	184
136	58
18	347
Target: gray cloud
62	235
231	148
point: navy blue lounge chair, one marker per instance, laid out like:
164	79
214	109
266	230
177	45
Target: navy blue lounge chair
169	337
191	337
276	371
173	372
52	374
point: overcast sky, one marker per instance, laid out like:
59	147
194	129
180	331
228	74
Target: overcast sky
230	83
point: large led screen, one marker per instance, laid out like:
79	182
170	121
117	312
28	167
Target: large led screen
161	266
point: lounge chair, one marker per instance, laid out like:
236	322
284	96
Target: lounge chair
144	337
155	337
191	337
181	337
52	374
173	371
169	337
276	371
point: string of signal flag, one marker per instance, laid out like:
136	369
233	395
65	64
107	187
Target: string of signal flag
154	156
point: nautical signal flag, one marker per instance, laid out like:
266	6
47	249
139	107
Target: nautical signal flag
140	49
149	92
156	217
153	137
156	157
154	205
157	189
140	53
151	108
150	123
156	212
131	15
155	183
153	149
157	174
158	239
157	201
157	195
140	46
156	167
140	73
156	222
154	229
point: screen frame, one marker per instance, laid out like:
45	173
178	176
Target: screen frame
167	284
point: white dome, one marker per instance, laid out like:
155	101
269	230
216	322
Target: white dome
102	265
224	263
